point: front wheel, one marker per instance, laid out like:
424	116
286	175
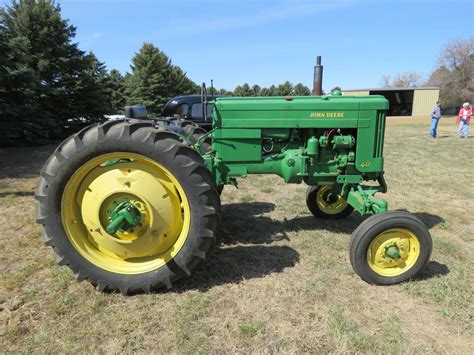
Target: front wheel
390	248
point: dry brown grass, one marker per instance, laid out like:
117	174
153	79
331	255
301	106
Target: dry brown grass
278	281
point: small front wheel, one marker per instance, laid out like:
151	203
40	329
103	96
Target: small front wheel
390	248
324	203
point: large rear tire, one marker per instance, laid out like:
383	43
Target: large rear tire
162	179
390	248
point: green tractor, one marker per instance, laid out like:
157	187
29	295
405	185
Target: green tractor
133	205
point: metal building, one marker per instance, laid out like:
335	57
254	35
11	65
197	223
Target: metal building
403	101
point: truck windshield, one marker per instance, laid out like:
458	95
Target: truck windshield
196	110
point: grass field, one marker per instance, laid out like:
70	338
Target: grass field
277	281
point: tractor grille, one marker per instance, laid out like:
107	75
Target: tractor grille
379	134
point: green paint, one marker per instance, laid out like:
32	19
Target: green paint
319	140
123	217
392	252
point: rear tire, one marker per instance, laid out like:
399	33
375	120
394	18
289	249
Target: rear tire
374	241
190	130
144	150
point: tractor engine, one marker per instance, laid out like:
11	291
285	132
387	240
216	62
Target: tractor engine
325	140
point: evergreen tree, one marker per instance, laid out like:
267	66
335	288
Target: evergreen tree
116	91
243	90
273	91
301	90
20	113
154	80
285	89
256	90
224	92
61	81
90	98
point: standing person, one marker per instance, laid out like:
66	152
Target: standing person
435	117
464	119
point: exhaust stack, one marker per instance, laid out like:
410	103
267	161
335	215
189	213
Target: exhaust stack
318	77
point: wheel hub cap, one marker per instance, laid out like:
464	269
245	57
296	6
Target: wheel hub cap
393	252
125	213
330	202
124	217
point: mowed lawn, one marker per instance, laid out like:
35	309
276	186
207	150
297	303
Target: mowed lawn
278	280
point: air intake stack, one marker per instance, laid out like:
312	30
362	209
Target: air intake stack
318	77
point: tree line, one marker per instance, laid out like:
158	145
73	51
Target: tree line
49	87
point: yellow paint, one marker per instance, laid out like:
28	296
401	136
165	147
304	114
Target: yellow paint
408	246
328	206
326	114
95	188
355	92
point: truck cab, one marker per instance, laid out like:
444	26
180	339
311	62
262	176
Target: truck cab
190	107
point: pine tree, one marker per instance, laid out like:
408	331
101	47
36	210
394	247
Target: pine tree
285	89
20	115
301	90
154	80
243	90
61	78
224	92
116	91
256	90
90	97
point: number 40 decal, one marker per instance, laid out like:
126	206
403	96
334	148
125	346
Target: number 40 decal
365	164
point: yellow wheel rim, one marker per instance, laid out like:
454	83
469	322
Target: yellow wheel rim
104	181
328	202
406	245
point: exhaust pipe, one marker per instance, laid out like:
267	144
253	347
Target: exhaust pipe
318	77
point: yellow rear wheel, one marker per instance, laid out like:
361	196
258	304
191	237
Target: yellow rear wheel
105	181
127	206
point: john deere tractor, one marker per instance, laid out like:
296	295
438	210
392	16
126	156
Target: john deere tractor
133	205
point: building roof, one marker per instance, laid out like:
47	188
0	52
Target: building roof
395	89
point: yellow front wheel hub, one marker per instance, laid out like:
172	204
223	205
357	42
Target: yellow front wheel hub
393	252
328	202
107	180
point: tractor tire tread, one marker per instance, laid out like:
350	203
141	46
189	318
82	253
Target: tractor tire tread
142	137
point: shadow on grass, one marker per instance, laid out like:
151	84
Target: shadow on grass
246	223
430	220
432	269
24	162
231	265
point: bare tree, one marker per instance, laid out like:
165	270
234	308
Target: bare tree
457	54
402	80
455	72
385	82
407	80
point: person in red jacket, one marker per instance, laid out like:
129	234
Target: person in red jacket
464	119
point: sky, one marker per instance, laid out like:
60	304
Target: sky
268	42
